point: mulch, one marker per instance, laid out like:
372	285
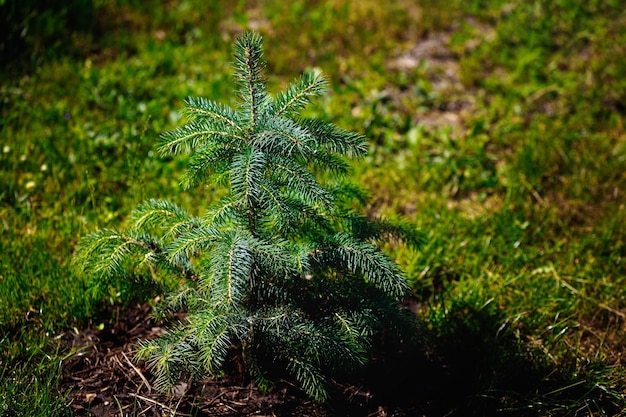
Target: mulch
101	378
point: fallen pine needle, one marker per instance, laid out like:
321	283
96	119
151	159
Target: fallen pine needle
143	378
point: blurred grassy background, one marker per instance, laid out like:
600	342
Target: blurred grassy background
496	127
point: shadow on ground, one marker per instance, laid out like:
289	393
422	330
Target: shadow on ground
472	366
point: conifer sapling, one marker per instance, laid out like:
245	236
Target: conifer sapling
280	274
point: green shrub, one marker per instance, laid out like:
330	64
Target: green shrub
280	276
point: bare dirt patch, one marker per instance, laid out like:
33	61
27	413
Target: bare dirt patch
102	379
442	69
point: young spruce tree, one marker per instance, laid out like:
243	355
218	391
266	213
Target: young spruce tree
279	276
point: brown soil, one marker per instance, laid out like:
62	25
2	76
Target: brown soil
102	379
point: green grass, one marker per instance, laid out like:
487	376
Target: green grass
29	380
523	202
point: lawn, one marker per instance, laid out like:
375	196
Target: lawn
496	129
